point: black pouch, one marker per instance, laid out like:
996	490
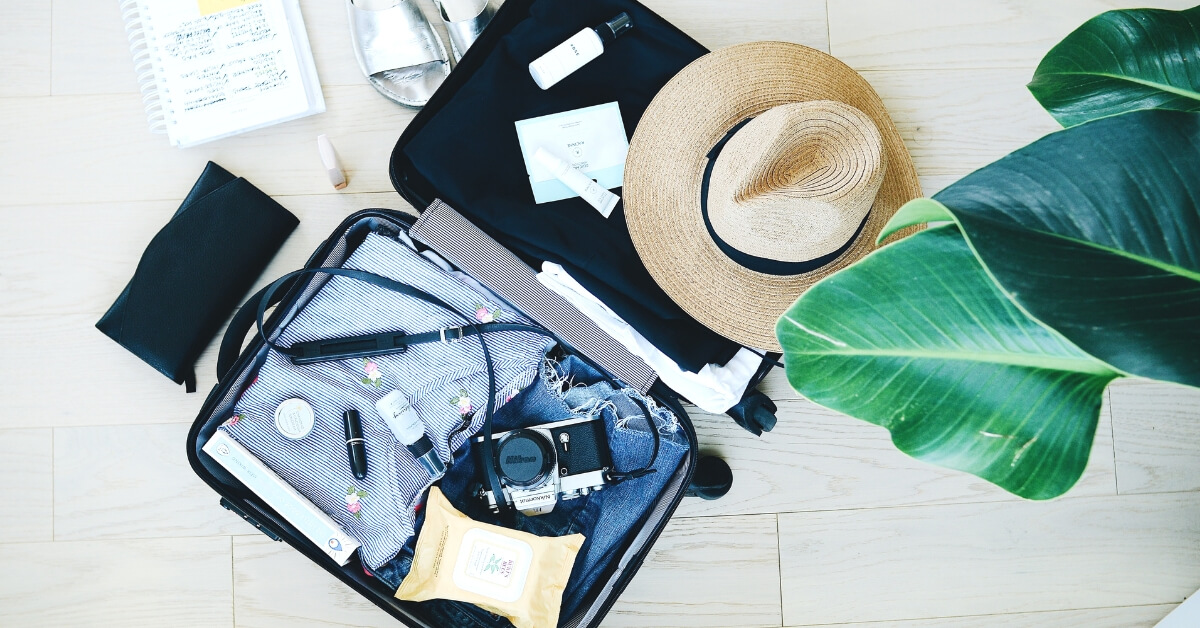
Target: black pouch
195	271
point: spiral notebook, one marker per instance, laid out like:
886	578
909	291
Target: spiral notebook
213	68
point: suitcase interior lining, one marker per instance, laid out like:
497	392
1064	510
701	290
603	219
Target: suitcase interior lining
225	395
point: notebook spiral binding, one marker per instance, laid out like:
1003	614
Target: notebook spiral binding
154	97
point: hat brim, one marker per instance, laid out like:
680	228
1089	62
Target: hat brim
665	167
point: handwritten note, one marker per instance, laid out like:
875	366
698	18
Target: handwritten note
233	54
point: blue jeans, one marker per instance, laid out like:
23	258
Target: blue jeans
606	517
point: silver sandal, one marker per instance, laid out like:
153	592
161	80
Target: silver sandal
465	20
398	51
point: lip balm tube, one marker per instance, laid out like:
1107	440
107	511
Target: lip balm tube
333	168
577	51
587	189
356	445
406	426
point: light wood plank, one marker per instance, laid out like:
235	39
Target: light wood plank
1122	617
107	384
954	122
1156	428
817	459
926	34
99	149
25	48
275	586
980	559
26	485
54	296
53	270
717	24
714	571
132	481
150	583
91	49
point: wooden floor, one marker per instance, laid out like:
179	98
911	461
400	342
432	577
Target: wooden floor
102	523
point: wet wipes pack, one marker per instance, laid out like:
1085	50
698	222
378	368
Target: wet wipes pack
592	140
508	572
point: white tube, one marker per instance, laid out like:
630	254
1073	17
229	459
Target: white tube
402	420
565	58
395	410
587	189
329	159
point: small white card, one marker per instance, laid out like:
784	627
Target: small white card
591	139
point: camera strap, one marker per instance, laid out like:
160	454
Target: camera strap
470	328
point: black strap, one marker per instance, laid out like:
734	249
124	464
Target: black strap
367	345
266	297
235	333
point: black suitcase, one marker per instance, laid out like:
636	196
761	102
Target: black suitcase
237	367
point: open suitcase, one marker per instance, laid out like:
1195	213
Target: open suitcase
473	251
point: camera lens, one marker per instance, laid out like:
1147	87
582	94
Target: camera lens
526	458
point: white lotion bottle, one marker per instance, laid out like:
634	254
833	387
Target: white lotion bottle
406	426
581	184
577	51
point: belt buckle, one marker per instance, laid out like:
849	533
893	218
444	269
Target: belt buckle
449	339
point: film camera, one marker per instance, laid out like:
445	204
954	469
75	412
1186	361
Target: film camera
539	465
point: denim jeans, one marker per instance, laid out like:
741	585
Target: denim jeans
606	517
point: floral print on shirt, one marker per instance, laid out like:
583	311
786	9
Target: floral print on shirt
373	376
484	314
463	403
352	497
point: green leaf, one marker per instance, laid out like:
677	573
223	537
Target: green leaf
918	339
1122	61
1095	231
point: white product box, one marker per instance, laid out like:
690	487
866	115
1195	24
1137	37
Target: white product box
280	495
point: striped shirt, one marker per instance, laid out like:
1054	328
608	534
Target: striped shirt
444	382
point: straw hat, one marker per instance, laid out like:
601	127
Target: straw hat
756	171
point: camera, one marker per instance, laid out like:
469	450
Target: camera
539	465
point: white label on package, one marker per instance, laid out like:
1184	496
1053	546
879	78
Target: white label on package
591	139
492	565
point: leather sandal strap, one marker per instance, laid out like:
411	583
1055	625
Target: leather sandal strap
463	33
394	38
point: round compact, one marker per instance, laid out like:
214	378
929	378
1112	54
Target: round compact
526	459
294	418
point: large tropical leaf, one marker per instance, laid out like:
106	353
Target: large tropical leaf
1095	231
1122	61
917	338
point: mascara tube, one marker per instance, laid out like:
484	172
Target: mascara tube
356	445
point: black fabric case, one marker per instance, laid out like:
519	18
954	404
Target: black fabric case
194	272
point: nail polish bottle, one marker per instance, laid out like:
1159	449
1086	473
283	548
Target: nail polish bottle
577	51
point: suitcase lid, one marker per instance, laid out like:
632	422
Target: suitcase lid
462	149
636	67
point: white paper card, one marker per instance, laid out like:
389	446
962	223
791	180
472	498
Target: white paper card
591	139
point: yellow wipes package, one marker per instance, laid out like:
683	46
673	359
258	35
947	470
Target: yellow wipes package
508	572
